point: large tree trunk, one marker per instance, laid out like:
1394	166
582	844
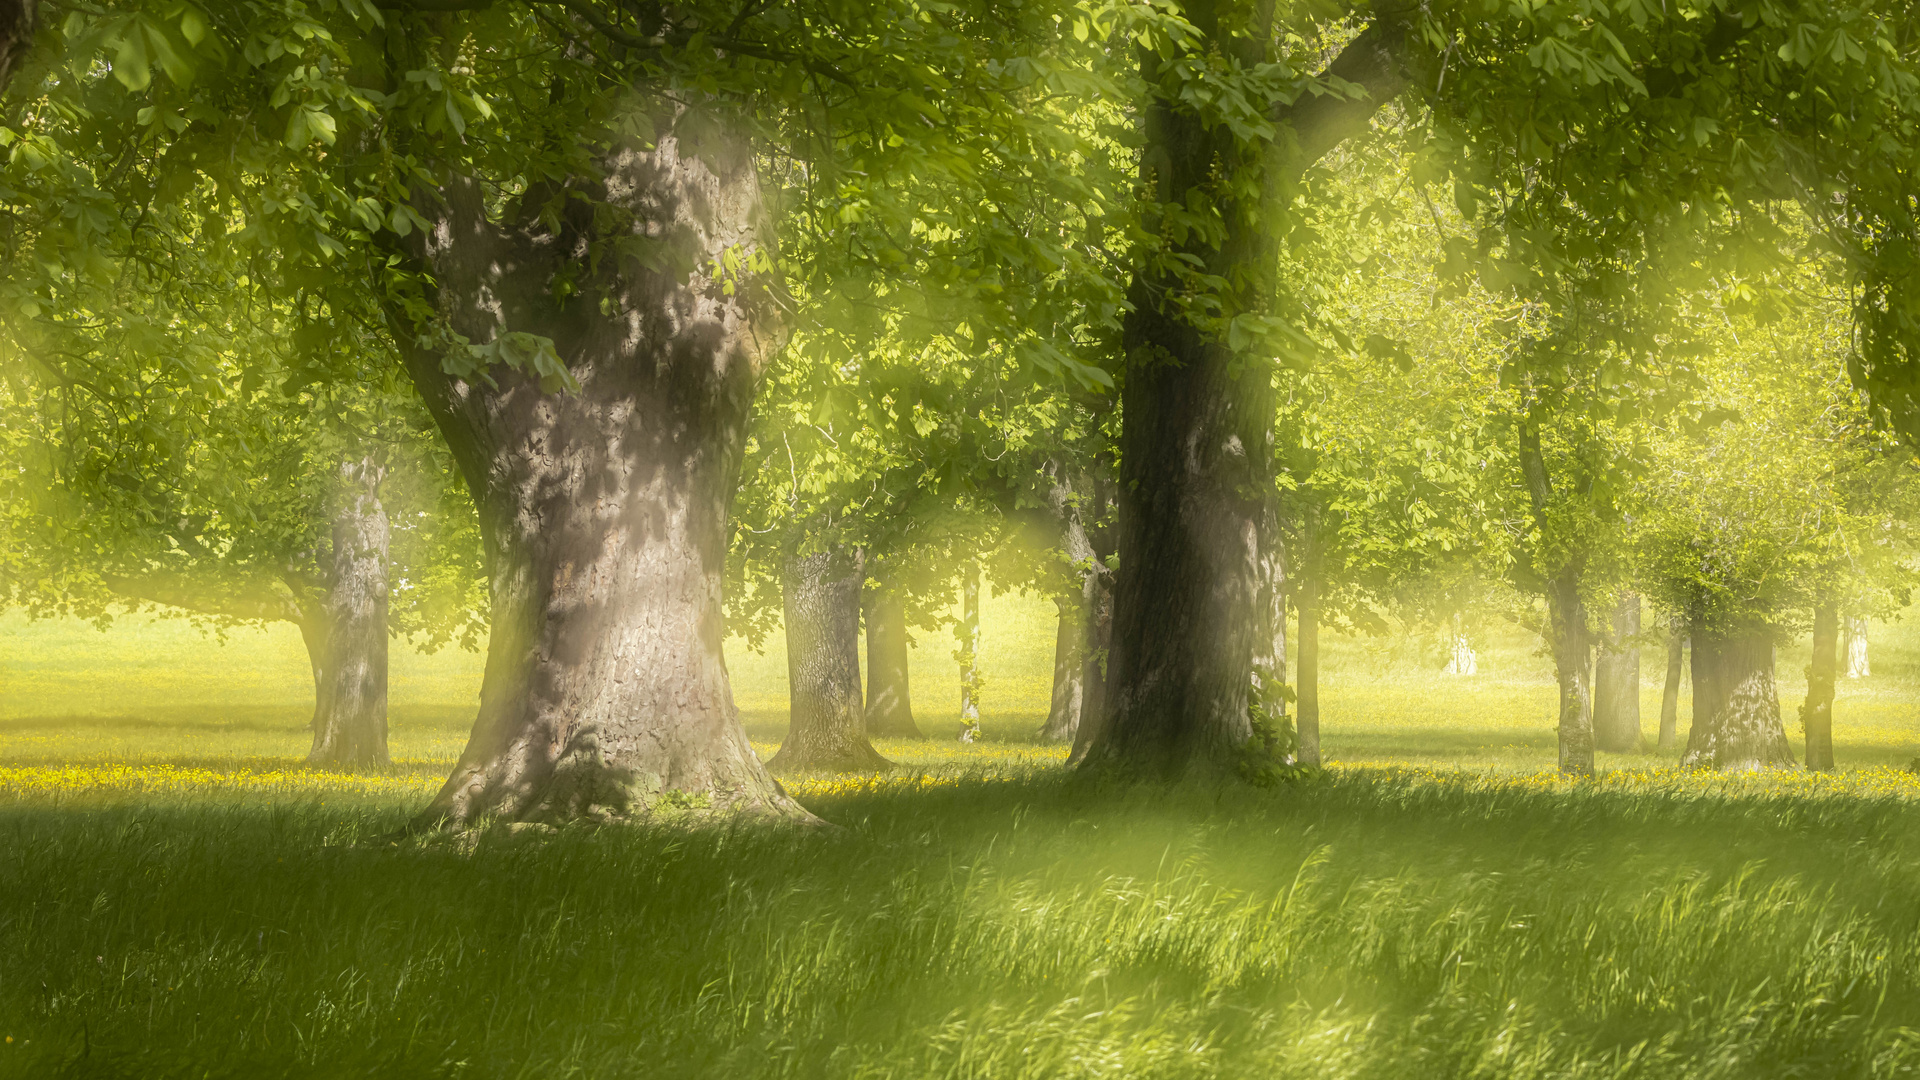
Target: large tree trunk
827	727
1736	708
1857	666
1566	628
889	696
967	633
1616	682
604	509
1069	672
350	678
1195	452
1817	714
1670	694
18	19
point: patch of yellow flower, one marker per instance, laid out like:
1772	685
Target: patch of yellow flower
278	779
1878	781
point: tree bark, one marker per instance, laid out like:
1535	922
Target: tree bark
1736	707
1065	494
1099	628
1069	672
1566	627
889	686
827	727
1195	452
1816	716
350	682
1857	666
1306	720
1616	682
18	20
967	632
604	509
1670	695
1270	606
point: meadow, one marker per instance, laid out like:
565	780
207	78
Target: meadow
179	897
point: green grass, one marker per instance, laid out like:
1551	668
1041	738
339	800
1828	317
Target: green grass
179	898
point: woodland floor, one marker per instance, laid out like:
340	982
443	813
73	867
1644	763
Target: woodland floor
179	897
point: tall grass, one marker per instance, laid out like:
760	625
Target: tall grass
180	898
1370	924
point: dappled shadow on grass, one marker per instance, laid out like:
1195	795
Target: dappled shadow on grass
1366	923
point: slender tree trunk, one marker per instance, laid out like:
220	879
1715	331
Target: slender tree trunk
1817	714
1196	441
1736	707
1070	643
889	696
1270	607
1670	695
18	19
1099	627
604	509
1307	714
350	682
1567	634
1857	666
1069	672
827	727
967	632
1616	682
1461	659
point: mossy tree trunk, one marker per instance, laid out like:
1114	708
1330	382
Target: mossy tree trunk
1816	716
827	726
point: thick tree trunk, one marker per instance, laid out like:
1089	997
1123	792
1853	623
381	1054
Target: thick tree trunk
1196	442
1616	682
1670	695
1307	713
1816	716
967	632
604	509
889	696
1069	672
350	679
827	727
1736	708
1857	666
18	19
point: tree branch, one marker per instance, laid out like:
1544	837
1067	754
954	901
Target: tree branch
266	603
1376	62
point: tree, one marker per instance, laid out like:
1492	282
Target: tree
1196	407
1616	680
